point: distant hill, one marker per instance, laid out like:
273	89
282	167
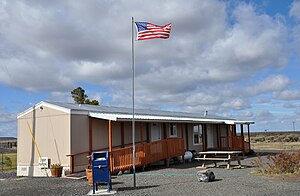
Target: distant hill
287	136
7	138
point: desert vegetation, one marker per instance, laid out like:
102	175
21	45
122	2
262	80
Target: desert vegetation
8	153
281	163
275	137
275	140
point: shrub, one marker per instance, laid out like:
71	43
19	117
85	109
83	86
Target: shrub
8	162
282	163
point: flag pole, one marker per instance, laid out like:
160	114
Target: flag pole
133	120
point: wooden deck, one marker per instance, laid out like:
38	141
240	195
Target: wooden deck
121	158
232	144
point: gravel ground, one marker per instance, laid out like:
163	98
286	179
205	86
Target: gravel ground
176	180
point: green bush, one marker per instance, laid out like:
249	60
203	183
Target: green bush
8	162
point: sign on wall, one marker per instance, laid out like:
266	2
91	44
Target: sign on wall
44	163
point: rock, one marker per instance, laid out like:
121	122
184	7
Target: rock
205	176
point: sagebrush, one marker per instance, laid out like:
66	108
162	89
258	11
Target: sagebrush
282	163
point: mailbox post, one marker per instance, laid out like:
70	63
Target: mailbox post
100	170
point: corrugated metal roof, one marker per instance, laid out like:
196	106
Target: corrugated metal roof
125	114
143	112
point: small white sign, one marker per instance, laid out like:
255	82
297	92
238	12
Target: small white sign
44	162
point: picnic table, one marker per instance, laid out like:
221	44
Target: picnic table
215	156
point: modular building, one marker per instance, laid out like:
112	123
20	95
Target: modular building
66	133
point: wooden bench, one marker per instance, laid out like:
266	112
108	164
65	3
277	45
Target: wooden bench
227	156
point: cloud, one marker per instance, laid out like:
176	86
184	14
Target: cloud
8	129
295	13
8	124
295	10
54	46
238	104
287	95
263	100
264	116
7	117
246	114
290	105
61	97
270	84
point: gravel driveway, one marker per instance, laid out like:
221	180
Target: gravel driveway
176	180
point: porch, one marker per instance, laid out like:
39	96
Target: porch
121	158
221	137
232	142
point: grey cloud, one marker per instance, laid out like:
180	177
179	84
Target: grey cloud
263	100
238	104
264	115
295	13
287	95
8	128
7	117
51	47
270	84
246	114
295	10
290	105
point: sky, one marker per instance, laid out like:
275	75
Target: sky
237	59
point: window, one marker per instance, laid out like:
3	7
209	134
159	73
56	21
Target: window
197	135
173	130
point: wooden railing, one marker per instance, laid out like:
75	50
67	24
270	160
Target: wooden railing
155	151
232	143
175	147
121	158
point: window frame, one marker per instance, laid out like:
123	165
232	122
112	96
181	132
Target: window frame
173	127
199	133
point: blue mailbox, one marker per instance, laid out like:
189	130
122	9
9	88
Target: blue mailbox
100	170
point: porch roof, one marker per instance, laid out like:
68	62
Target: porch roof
139	117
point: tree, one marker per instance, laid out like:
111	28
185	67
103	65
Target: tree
80	97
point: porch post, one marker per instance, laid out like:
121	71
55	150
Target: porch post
148	132
167	160
205	137
231	135
165	130
182	136
141	133
248	125
90	135
122	135
218	136
187	136
234	130
110	144
109	136
242	130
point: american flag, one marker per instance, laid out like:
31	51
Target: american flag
146	30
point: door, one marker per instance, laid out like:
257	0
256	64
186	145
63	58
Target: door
211	136
155	132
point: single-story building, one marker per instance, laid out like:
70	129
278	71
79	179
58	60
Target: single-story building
66	133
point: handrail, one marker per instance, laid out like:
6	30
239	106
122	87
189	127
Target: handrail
121	159
232	142
100	149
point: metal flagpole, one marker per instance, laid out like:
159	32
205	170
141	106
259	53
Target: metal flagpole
133	120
